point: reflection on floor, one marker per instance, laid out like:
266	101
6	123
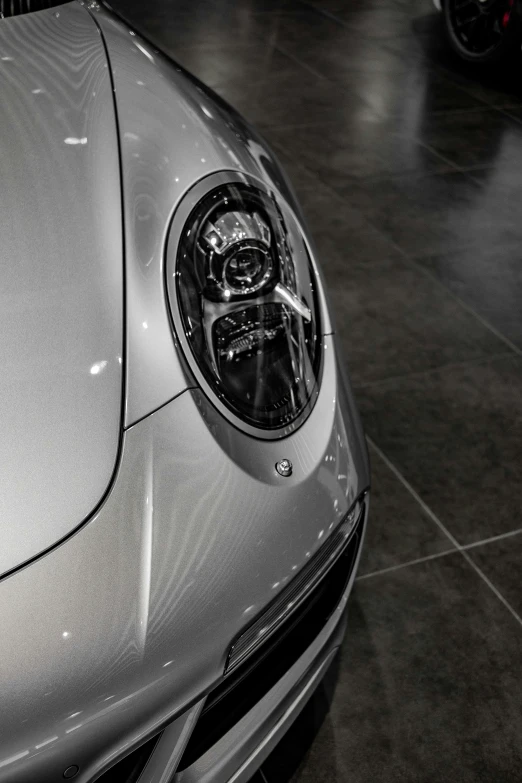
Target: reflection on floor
408	165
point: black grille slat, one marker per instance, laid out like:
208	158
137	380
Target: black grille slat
288	601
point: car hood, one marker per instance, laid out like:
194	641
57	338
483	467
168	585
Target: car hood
61	297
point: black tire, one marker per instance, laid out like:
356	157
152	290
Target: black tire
490	40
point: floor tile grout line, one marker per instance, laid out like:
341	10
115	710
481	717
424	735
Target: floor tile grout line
323	12
492	539
484	107
474	167
457	112
371	179
492	587
377	179
319	75
436	555
335	124
297	125
444	529
448	75
419	373
436	112
460	301
413	492
469	91
448	161
506	111
438	155
453	167
399	566
303	64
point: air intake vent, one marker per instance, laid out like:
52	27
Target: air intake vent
19	7
239	691
288	601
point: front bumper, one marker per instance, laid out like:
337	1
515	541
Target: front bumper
125	626
238	752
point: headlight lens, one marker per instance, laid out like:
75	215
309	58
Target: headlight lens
249	307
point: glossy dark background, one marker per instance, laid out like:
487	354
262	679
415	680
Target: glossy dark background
408	166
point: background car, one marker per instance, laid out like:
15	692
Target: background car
184	473
482	31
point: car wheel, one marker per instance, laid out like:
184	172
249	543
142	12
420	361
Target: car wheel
482	31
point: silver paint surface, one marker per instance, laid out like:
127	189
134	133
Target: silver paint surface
130	620
127	623
174	132
61	266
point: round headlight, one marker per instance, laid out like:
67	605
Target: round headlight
248	306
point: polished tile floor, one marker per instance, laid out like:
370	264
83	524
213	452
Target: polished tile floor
409	169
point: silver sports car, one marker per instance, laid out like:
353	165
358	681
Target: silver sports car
184	478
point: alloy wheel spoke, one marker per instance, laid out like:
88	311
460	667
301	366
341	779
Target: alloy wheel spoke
465	22
465	4
479	28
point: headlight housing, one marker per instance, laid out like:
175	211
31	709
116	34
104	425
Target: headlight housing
245	298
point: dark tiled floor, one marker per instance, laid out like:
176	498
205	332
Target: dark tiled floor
427	688
489	280
408	167
456	434
500	561
401	531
